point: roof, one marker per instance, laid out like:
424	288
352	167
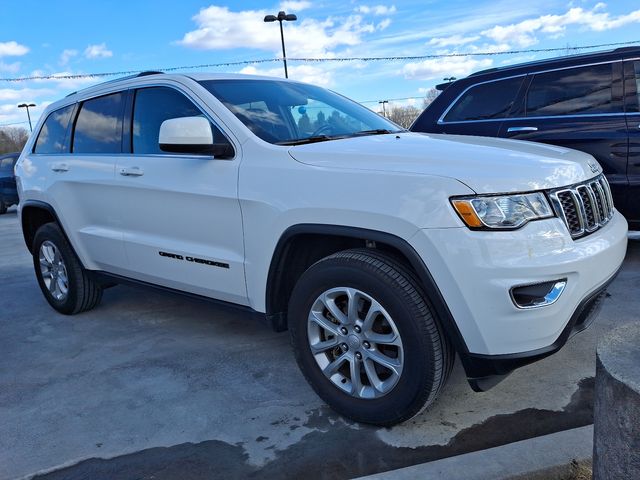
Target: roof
565	58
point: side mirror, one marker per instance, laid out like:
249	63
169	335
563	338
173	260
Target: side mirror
191	135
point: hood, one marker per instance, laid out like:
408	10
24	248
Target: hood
486	165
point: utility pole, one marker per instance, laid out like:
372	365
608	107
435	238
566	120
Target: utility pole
384	111
282	16
24	105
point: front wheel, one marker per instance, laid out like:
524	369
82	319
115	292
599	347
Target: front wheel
366	339
3	207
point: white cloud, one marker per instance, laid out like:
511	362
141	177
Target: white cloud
98	51
9	67
67	55
22	94
383	24
303	73
444	67
523	34
12	48
294	7
220	28
58	79
376	9
452	41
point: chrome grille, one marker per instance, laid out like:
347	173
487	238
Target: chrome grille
584	207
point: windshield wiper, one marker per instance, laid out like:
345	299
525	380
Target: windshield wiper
375	131
302	141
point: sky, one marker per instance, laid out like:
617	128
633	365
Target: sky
61	37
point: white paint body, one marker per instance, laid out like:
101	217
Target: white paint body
234	211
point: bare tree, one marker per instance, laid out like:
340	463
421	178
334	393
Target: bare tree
403	116
430	96
12	139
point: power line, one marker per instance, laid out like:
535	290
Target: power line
392	99
317	60
13	123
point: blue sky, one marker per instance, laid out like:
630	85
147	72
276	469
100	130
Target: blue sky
76	37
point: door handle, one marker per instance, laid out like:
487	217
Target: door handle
522	129
60	167
131	172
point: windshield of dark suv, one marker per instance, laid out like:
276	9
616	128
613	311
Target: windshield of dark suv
287	113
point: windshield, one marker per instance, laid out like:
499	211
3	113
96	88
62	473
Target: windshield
287	113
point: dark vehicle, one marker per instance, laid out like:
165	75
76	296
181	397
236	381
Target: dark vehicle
8	192
586	102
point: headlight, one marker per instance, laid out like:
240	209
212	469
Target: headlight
502	212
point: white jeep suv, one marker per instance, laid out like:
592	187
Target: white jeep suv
384	252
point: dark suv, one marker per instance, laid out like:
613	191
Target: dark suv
8	192
587	102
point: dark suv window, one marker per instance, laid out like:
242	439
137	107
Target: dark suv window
99	125
153	106
52	136
633	88
7	164
486	101
573	91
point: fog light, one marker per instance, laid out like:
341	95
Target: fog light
539	294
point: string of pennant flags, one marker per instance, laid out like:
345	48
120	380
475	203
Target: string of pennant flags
393	58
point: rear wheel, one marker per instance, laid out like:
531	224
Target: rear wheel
366	339
3	207
64	282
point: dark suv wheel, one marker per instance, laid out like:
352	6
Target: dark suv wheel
366	339
64	282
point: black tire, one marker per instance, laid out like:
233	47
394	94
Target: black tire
428	356
3	207
83	292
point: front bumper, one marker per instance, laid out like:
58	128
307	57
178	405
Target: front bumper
475	270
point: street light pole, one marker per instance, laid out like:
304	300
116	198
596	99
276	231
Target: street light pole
384	112
282	16
24	105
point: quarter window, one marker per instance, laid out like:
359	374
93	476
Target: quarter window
153	106
52	136
99	125
486	101
573	91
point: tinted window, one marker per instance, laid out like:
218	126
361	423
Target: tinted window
634	103
99	125
486	101
7	163
52	136
575	91
636	66
152	107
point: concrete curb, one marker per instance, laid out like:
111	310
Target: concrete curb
525	459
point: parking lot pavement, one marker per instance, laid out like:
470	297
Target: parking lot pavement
155	385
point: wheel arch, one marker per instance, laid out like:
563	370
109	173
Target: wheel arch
34	214
289	262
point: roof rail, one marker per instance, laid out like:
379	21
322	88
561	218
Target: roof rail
633	48
148	72
135	75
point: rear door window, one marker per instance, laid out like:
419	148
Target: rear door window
632	86
98	128
486	101
572	91
52	136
